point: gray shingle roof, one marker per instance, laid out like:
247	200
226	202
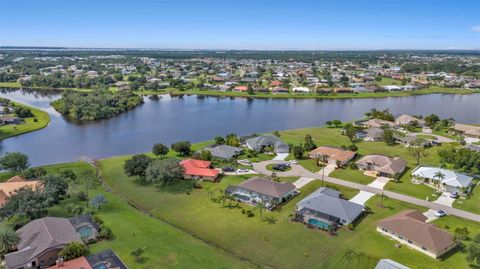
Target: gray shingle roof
224	151
327	201
264	185
257	143
40	235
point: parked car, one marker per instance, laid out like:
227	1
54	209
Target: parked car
281	166
244	162
454	195
440	213
228	169
293	161
242	170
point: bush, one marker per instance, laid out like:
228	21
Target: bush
73	250
250	213
353	166
82	196
105	233
97	220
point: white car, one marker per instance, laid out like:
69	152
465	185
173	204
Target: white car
440	213
293	161
244	162
242	170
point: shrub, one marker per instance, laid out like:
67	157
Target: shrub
73	250
97	220
105	233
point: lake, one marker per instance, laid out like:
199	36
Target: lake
196	119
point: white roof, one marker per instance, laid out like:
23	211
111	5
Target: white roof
301	89
452	178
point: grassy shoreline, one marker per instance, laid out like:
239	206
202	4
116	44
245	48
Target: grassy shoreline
43	119
176	92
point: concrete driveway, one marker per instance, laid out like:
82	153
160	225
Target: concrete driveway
280	156
249	172
329	168
302	182
445	199
430	214
379	183
439	138
362	197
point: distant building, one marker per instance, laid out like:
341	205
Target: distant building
383	165
199	170
449	181
260	142
332	155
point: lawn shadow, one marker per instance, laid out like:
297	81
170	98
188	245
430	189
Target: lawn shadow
270	220
177	187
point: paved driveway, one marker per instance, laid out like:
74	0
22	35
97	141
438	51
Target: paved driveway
441	139
445	199
379	183
280	156
299	171
430	215
302	182
326	170
362	197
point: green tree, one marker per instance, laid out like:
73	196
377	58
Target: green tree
137	254
232	140
137	165
182	147
163	172
388	137
8	239
219	140
14	162
337	123
205	155
350	132
298	151
431	120
309	144
73	250
160	149
461	233
417	150
473	250
250	89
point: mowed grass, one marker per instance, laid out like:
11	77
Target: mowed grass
30	125
274	241
164	245
352	175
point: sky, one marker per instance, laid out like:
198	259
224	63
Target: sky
242	24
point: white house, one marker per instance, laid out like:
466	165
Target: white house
301	89
450	181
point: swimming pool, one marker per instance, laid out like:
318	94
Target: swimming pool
85	231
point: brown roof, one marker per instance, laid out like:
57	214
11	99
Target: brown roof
266	186
78	263
411	225
16	179
10	187
383	163
334	153
378	123
465	127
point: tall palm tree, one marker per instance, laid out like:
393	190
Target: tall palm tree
8	239
260	206
439	176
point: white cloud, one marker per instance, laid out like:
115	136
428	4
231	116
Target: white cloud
476	28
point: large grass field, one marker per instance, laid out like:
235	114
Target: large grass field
164	246
275	241
39	120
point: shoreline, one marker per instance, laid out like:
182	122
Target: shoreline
176	92
42	117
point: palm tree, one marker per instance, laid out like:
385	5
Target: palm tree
260	206
439	176
382	198
8	239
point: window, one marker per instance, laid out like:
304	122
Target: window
424	248
410	241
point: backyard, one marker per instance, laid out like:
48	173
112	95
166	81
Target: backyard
39	120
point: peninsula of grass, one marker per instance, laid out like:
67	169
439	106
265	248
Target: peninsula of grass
39	121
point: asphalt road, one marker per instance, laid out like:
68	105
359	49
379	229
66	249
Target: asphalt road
300	171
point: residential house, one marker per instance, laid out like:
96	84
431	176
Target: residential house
442	179
392	88
40	242
241	88
225	152
9	119
389	264
280	90
467	130
301	90
332	155
11	186
325	209
199	170
262	190
378	123
407	120
372	134
259	143
409	228
383	165
106	259
343	90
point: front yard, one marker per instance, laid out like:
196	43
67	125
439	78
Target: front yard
274	241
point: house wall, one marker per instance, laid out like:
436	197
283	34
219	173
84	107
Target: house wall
264	198
47	258
202	178
413	244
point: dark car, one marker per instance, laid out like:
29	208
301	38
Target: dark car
281	167
228	169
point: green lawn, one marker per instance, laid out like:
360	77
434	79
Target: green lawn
388	81
275	241
352	175
30	125
425	136
165	246
472	203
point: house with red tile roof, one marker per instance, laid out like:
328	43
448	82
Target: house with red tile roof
276	83
240	88
199	170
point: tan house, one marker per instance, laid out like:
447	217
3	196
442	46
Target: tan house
14	184
409	228
467	130
378	123
331	155
383	165
407	119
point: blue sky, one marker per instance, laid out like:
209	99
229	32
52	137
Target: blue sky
245	24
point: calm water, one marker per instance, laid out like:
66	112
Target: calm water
197	119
